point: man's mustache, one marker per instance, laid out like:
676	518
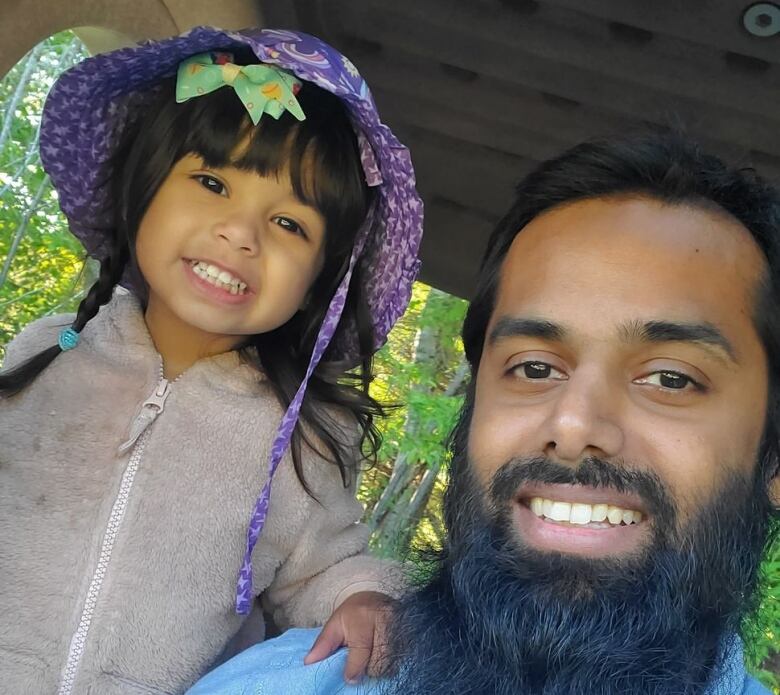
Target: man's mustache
592	472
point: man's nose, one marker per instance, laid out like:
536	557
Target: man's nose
241	233
584	421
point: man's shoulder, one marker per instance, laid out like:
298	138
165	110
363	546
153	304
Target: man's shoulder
277	666
733	678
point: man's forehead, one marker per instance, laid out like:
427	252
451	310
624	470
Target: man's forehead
616	261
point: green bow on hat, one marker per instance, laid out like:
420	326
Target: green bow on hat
262	88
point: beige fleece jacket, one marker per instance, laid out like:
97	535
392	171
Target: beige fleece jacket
147	563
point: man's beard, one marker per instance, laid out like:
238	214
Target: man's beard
498	617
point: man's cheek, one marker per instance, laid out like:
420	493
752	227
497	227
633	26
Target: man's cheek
682	461
492	442
500	432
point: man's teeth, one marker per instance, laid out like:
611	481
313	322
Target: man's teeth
219	278
578	513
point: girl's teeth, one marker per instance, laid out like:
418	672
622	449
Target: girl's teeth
583	514
217	277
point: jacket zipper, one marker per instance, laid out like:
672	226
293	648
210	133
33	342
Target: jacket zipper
139	434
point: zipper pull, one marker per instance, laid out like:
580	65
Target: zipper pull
157	399
149	412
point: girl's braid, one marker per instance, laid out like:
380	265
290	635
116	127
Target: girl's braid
112	267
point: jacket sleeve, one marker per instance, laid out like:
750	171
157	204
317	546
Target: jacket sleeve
34	338
329	562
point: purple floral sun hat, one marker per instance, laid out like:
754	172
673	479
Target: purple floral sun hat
92	103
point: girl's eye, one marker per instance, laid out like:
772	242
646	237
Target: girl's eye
211	184
674	381
537	370
290	225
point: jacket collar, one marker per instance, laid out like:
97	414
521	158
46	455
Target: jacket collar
118	333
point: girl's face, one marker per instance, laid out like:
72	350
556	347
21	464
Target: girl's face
226	253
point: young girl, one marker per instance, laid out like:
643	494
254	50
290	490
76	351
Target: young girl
265	225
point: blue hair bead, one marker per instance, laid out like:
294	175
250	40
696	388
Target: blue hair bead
68	339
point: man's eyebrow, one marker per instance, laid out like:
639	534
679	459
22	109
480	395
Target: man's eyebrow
704	334
511	327
672	332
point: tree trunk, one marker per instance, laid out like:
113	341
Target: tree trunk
391	535
402	475
401	507
417	504
453	388
404	472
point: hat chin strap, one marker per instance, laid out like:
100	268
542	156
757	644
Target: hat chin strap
244	591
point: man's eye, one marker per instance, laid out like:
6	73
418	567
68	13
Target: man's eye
537	370
211	184
290	225
669	380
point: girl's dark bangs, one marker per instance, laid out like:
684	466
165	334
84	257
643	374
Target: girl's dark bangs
213	128
319	154
324	169
285	147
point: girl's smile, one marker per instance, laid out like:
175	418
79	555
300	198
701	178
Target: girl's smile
218	274
220	285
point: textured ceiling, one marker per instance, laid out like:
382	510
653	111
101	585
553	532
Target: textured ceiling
482	90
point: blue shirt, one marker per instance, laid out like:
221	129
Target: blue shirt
276	667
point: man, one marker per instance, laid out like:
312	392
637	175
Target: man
615	469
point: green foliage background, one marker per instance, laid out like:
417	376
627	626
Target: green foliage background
45	274
42	271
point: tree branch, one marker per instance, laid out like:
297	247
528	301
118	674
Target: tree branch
22	229
30	62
